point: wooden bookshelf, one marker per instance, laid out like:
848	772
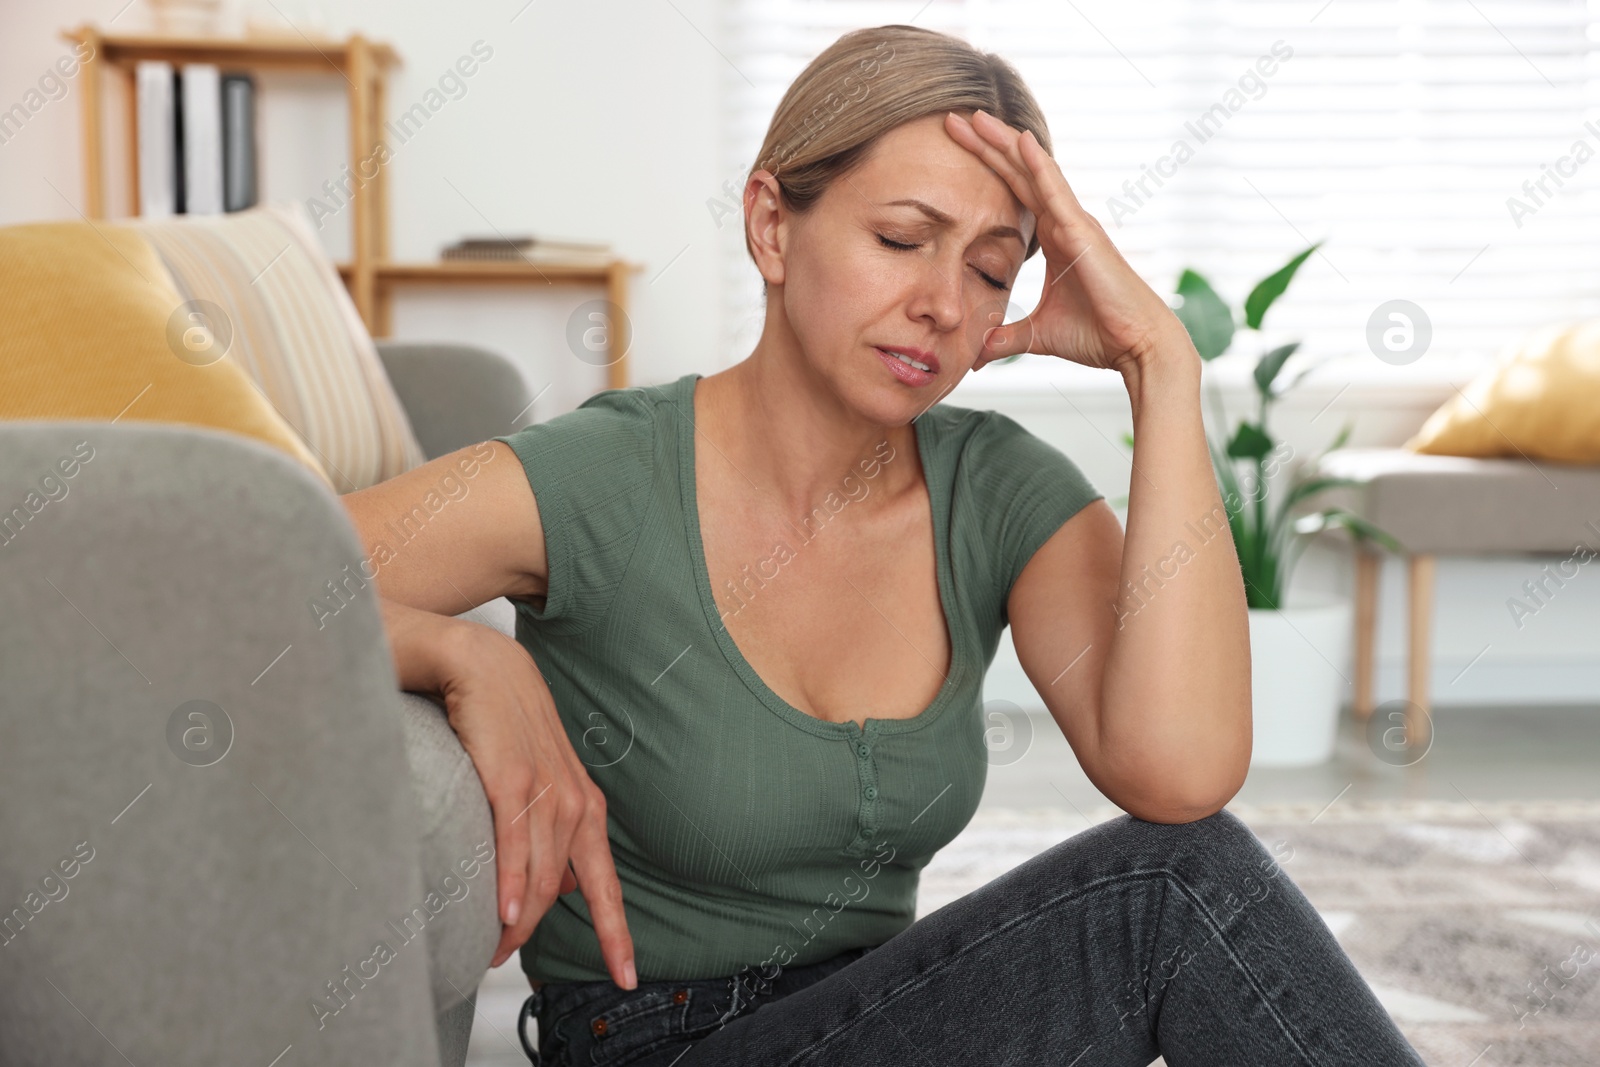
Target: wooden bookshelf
363	64
614	275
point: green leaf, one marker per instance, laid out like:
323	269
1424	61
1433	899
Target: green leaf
1258	565
1272	287
1204	315
1269	365
1249	442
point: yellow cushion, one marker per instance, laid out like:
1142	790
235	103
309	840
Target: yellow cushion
1541	400
89	311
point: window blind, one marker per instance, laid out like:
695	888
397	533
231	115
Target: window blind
1447	151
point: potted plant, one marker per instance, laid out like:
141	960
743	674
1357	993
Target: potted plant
1297	652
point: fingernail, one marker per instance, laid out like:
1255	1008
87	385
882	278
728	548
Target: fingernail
630	976
513	909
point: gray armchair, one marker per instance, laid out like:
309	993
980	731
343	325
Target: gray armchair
225	835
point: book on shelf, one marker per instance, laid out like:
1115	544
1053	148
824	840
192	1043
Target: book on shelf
179	170
529	241
200	111
154	104
238	142
196	139
524	248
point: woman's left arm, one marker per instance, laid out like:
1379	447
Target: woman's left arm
1139	644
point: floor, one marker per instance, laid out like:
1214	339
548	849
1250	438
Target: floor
1477	754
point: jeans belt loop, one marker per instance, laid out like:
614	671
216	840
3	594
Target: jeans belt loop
531	1009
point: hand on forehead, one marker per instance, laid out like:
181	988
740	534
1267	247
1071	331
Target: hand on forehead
920	161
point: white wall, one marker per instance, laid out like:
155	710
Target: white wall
602	120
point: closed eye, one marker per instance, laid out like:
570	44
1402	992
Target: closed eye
899	247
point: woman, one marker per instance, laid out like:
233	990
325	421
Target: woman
760	604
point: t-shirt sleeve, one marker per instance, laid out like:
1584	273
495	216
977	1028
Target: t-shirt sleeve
590	470
1029	487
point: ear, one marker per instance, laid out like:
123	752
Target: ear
766	225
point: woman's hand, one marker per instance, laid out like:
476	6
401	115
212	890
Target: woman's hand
546	808
1095	309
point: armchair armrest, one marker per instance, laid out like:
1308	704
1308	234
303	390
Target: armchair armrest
456	395
201	723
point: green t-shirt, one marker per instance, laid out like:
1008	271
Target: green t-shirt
745	831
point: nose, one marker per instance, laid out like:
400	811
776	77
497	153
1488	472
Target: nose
938	298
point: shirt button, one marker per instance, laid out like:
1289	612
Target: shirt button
863	751
598	1027
872	792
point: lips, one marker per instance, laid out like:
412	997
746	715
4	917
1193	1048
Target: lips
921	355
903	371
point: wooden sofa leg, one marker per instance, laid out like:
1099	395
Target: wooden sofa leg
1368	567
1421	612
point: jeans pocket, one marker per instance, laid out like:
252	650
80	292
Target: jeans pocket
633	1027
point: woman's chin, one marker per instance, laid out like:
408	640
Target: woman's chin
902	407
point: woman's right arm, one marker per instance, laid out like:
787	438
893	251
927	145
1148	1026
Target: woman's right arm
483	542
482	537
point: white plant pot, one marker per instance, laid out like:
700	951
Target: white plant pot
1298	659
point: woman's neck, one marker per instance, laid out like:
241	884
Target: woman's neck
787	433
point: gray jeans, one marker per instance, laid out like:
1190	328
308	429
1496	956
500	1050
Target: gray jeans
1127	941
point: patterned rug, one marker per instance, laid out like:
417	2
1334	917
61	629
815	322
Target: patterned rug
1476	924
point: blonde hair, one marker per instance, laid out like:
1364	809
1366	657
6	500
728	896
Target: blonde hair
867	83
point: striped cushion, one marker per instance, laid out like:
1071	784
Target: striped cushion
296	332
